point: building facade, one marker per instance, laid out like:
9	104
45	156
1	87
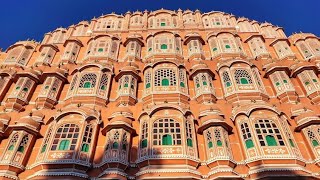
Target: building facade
161	95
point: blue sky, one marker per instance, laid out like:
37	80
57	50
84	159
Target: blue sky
31	19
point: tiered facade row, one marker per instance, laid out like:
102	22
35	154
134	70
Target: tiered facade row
162	94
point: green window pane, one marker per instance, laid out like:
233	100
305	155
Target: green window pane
25	89
46	87
11	147
210	144
307	83
17	88
215	49
315	143
219	143
21	149
291	143
43	149
150	49
228	46
244	81
166	139
164	46
285	81
103	87
144	143
228	84
218	23
314	80
182	84
205	83
249	144
64	145
100	50
120	87
115	145
277	84
189	143
85	148
87	85
54	89
271	141
124	147
198	85
126	85
163	24
148	85
165	82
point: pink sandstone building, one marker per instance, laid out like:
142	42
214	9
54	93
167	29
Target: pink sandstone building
161	95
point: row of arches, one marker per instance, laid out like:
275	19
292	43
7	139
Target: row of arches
164	133
108	47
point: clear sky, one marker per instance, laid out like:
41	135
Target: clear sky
23	19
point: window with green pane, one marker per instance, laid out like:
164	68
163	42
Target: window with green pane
167	139
64	145
144	143
87	85
210	144
43	149
164	82
228	84
164	46
148	85
219	143
244	81
228	46
85	147
162	24
115	145
249	143
100	50
271	141
315	143
189	143
182	84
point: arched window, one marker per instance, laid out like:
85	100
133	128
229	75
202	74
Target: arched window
166	132
148	80
66	137
246	134
73	84
144	135
88	81
226	79
23	144
217	135
182	78
268	133
242	76
46	141
165	77
209	139
87	137
313	139
189	136
103	82
116	137
124	141
13	141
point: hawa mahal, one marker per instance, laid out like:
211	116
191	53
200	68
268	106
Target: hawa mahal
161	95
